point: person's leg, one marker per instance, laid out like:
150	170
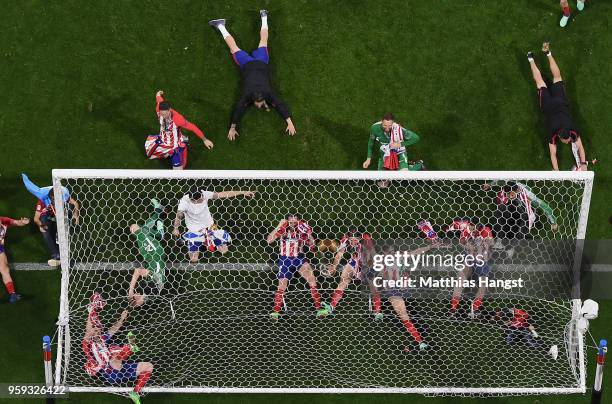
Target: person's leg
554	68
566	13
308	275
278	296
6	277
580	4
194	251
179	158
535	72
463	274
227	37
345	279
263	32
400	309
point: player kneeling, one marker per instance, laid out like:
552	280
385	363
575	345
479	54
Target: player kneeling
520	329
110	362
295	236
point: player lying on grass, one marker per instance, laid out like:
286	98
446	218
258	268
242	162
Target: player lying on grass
478	240
170	141
148	239
358	248
295	238
396	296
110	362
44	215
567	12
392	139
255	73
201	229
520	328
555	107
5	223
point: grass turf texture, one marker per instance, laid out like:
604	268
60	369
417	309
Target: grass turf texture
79	84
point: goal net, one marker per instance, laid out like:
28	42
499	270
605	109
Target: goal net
217	322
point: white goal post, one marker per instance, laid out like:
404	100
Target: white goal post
210	327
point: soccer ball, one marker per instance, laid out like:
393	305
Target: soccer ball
327	246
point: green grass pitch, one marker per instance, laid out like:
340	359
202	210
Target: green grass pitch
78	85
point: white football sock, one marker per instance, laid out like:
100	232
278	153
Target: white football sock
264	22
223	31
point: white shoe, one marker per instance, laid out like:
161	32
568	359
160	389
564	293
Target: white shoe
580	5
54	263
563	21
554	352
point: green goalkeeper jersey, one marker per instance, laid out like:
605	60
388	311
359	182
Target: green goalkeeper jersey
378	135
148	239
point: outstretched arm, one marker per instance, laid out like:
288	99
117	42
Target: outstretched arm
75	210
232	194
274	234
138	273
113	330
371	142
552	148
582	166
177	223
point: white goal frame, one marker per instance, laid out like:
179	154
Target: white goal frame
63	332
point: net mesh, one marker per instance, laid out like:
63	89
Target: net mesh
208	324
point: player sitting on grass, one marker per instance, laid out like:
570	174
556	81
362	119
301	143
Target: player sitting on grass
519	328
360	248
170	141
5	223
44	215
393	140
478	240
201	227
256	87
555	107
295	238
148	238
396	295
110	362
567	12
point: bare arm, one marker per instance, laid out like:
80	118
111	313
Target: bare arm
138	273
274	233
553	156
37	220
75	210
177	222
582	154
232	194
118	324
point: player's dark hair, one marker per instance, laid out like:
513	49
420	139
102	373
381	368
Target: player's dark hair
195	194
258	96
164	106
354	231
511	186
564	134
388	117
288	215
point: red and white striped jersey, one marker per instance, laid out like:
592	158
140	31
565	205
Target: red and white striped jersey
294	239
356	250
520	318
5	223
97	354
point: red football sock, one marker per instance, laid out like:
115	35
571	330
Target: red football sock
10	288
336	297
412	330
477	303
566	11
454	303
316	297
142	379
278	300
376	303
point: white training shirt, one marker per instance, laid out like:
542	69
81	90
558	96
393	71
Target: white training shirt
197	215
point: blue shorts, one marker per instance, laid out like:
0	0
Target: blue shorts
179	157
482	270
1	248
127	373
288	266
242	57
